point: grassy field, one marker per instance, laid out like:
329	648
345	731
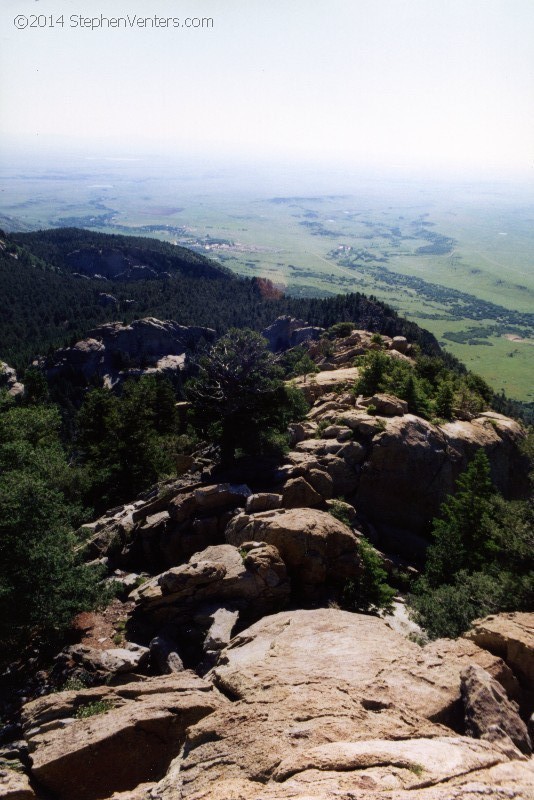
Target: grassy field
457	260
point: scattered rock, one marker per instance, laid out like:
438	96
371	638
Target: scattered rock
15	785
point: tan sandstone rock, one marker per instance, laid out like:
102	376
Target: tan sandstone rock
317	715
510	636
315	547
135	732
15	785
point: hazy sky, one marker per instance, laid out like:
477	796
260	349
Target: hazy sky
445	83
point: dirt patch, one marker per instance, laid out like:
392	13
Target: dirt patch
99	628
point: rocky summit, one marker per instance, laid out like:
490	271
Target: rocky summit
225	668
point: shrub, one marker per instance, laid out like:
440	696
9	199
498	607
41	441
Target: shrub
92	709
340	511
370	593
340	330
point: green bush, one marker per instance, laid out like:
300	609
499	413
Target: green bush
370	593
92	709
340	510
340	330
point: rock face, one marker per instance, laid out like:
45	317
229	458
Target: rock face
9	380
114	351
511	637
316	547
415	465
398	468
133	734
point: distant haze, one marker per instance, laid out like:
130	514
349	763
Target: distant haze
403	84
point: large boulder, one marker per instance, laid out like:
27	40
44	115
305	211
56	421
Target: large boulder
105	663
88	744
298	493
253	579
316	547
386	404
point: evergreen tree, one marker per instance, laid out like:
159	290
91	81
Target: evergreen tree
239	395
444	400
373	373
125	440
42	582
482	558
461	533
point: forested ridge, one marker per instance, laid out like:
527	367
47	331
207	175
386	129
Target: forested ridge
47	306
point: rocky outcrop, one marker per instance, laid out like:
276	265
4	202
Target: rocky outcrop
398	468
286	332
309	705
314	386
317	549
9	380
115	351
166	529
88	744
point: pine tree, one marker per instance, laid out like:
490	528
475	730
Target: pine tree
461	534
239	396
